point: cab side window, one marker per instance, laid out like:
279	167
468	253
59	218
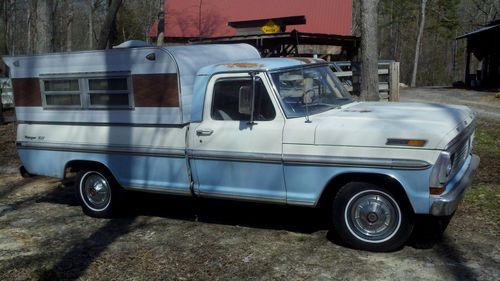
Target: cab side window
226	95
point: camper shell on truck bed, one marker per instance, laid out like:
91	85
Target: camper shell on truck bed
125	108
156	88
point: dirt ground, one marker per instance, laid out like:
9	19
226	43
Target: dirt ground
45	236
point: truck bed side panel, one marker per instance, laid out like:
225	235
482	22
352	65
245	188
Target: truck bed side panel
139	157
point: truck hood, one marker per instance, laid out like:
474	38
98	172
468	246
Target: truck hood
373	123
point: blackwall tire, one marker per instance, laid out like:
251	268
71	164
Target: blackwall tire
370	217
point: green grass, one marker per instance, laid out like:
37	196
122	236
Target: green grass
302	238
484	195
487	138
486	199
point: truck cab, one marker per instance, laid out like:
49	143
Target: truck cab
298	138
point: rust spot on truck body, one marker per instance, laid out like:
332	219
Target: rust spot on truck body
309	60
243	65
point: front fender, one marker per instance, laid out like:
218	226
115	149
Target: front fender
306	183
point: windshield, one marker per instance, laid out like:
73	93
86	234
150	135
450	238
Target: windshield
309	90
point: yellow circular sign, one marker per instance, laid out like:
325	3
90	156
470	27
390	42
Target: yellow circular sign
270	27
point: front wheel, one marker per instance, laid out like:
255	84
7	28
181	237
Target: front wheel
97	192
370	217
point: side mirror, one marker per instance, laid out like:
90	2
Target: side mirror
245	100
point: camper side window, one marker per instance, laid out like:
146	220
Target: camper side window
87	92
109	92
61	93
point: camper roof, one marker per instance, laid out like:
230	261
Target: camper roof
182	61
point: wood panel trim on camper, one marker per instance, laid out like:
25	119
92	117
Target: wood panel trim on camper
156	90
26	92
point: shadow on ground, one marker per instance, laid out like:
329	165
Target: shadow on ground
72	263
256	215
427	233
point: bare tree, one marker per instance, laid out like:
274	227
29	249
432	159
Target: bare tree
420	32
69	26
30	15
5	27
369	50
108	24
45	26
1	109
1	106
210	23
91	25
356	17
11	26
486	10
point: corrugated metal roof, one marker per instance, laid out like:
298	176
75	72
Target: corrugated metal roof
479	31
182	18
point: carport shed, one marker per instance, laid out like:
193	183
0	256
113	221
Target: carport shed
484	43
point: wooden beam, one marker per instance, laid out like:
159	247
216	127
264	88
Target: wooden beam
394	81
467	67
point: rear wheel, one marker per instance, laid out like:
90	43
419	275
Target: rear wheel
97	192
370	217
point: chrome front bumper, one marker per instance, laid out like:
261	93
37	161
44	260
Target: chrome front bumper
446	204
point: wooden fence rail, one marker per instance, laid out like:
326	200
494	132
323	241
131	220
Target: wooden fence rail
388	78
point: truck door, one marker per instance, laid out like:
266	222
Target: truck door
231	157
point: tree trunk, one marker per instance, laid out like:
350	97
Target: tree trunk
44	34
417	44
1	109
69	28
91	26
6	31
28	30
356	20
55	27
108	24
392	40
1	105
369	51
13	27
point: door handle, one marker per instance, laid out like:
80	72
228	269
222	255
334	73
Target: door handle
204	132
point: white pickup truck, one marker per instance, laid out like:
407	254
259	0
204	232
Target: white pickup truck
220	121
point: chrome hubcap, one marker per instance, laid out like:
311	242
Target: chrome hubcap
96	190
373	216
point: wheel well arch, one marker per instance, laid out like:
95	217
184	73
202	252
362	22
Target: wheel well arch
74	166
336	183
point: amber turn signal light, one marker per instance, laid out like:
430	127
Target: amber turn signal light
406	142
436	190
416	142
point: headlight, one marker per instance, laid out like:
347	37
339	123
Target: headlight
440	173
445	166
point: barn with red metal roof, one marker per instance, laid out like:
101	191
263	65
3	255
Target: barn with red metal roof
209	18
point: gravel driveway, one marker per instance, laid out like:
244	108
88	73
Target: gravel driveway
44	235
484	103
